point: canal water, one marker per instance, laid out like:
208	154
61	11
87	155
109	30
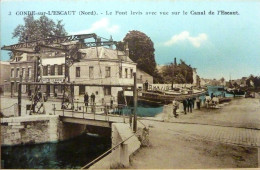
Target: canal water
73	153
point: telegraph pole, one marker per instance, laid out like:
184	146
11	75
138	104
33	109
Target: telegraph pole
20	96
135	103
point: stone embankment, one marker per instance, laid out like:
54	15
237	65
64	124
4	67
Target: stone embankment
37	129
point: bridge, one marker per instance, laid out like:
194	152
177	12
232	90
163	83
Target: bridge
102	116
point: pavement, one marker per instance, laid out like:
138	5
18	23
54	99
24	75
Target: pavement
228	137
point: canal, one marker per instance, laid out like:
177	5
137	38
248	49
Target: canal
73	153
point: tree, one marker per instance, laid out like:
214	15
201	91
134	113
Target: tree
34	29
179	74
141	51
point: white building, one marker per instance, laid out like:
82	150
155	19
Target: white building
100	65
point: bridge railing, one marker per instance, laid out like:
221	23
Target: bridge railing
107	110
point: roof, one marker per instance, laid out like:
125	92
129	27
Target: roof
103	53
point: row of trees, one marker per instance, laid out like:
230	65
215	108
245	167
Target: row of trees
141	48
177	73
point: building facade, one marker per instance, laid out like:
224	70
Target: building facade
4	76
100	65
22	70
143	76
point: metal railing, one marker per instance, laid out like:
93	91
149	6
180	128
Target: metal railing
106	110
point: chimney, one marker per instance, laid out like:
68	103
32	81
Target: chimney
175	62
127	49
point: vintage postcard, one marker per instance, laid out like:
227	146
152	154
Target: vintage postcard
139	84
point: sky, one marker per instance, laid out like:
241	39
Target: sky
217	45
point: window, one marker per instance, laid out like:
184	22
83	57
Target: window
131	73
23	72
45	70
91	72
81	89
59	69
12	72
107	90
29	72
77	71
108	72
17	72
53	70
126	73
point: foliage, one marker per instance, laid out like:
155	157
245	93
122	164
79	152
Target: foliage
255	80
180	74
141	51
34	29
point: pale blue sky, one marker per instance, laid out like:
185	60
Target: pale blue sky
216	45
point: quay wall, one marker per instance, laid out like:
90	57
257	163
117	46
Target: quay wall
37	129
119	157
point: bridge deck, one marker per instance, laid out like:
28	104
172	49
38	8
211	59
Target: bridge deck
102	120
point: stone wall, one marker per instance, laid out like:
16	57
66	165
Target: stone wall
37	129
119	158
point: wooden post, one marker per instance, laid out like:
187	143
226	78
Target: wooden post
135	103
19	98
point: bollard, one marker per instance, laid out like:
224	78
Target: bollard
124	155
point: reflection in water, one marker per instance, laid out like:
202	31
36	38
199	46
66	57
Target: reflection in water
73	153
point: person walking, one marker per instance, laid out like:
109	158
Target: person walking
207	100
86	99
190	105
193	102
174	108
146	85
93	98
185	104
198	102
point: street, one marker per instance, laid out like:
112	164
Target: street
223	138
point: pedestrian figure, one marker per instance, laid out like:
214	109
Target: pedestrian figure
193	102
190	105
185	104
212	95
86	99
208	99
111	101
175	105
146	85
198	102
93	98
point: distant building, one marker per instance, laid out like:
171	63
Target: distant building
102	66
4	76
143	76
22	69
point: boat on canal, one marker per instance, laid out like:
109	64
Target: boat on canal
157	97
